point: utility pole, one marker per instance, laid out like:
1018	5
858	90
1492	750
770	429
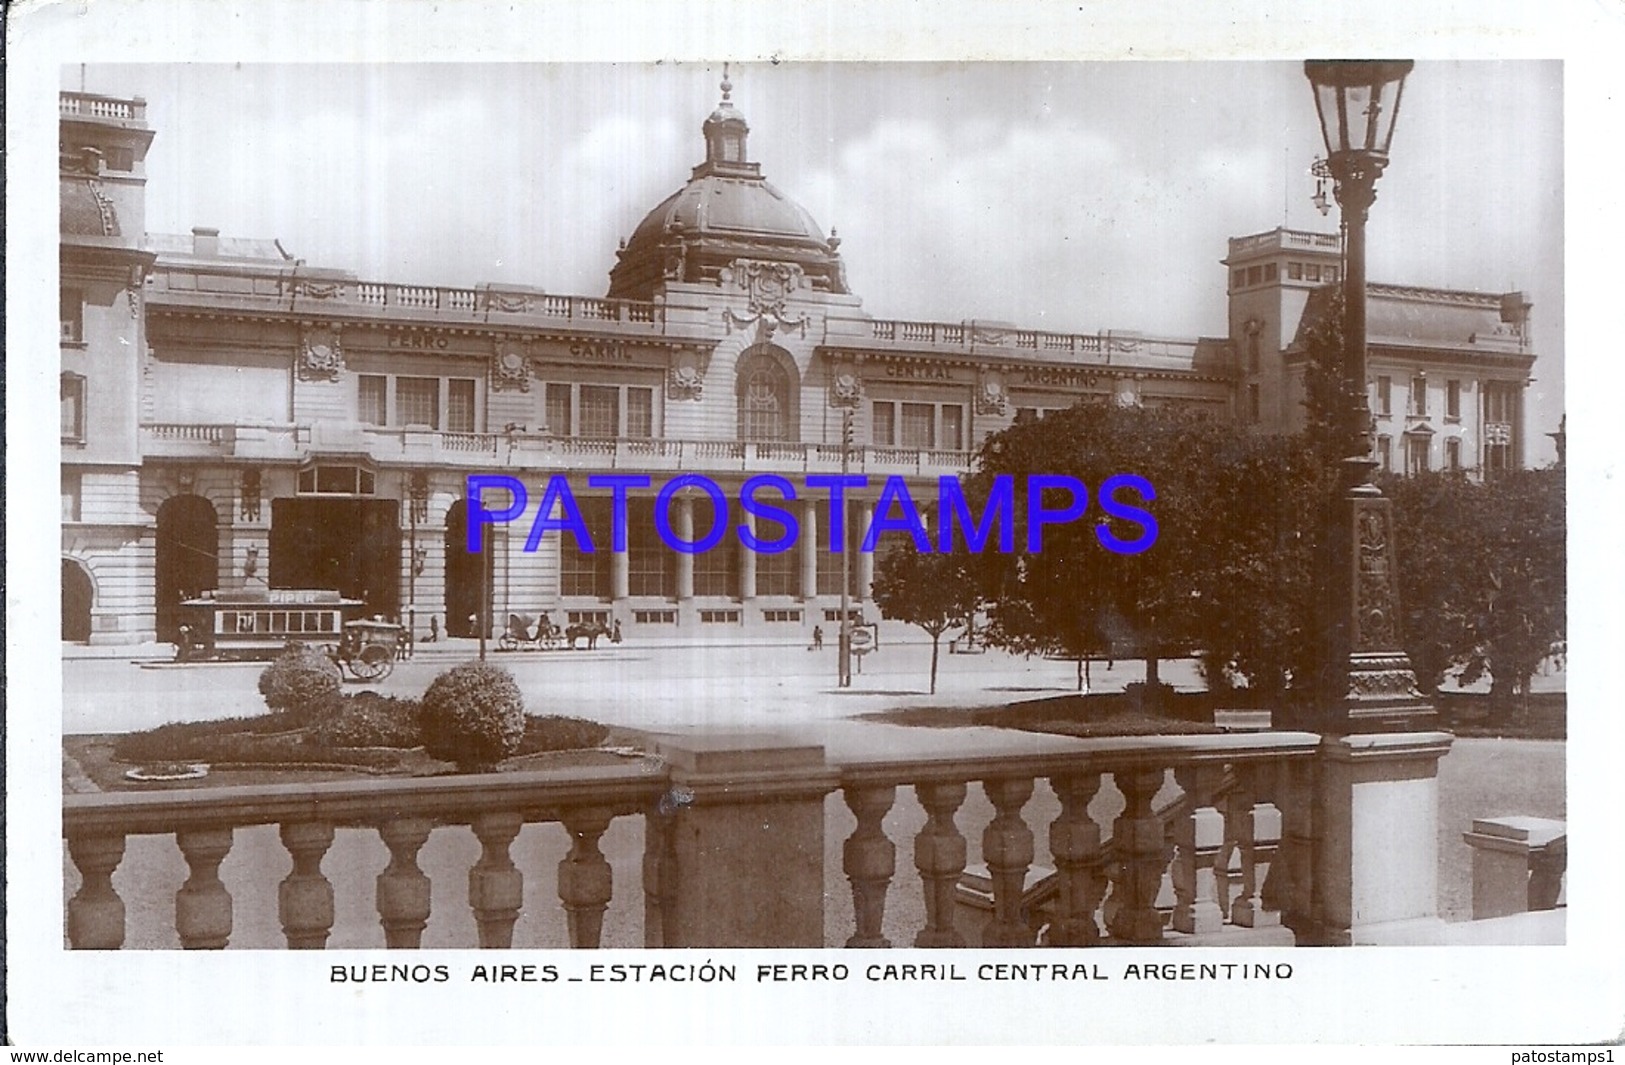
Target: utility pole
844	657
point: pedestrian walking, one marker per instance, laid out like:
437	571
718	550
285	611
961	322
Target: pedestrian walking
434	629
615	631
818	638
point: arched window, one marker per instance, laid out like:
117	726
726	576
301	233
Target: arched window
766	411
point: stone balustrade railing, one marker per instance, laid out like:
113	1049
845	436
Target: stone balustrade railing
1211	838
534	451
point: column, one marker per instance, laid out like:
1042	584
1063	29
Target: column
620	575
683	526
866	559
809	549
747	563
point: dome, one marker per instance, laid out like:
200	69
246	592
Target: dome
727	211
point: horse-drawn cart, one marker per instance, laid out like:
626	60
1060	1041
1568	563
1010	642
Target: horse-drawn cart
368	649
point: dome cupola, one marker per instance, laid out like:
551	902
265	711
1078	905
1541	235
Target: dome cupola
726	212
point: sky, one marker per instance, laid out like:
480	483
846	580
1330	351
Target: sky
1070	196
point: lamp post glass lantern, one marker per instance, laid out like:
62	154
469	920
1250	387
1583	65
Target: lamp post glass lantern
1366	681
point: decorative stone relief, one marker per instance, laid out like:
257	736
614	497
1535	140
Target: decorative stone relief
508	302
249	495
686	377
1374	602
418	492
985	334
321	355
991	395
767	286
510	367
320	290
846	387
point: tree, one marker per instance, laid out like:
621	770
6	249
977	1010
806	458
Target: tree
937	592
1075	595
1484	576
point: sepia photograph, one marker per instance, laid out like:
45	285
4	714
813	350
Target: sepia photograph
806	527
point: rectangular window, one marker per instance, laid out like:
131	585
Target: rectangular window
716	572
953	427
883	429
1294	271
640	413
778	573
655	617
1026	414
1269	272
719	617
120	159
1253	275
1452	454
1416	454
1329	275
918	430
782	616
1254	413
580	572
372	399
73	407
1385	395
70	496
1419	397
835	615
1452	400
417	401
600	411
1312	271
586	617
460	405
1385	453
651	566
558	410
73	315
1238	278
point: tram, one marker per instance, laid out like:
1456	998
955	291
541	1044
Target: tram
261	622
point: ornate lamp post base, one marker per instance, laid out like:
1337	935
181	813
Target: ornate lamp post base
1370	686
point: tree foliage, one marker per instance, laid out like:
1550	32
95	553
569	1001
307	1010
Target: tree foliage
935	591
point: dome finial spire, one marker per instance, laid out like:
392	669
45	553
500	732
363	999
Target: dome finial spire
727	86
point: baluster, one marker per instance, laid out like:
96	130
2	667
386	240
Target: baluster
305	897
495	887
1007	846
1198	841
96	913
1074	843
1255	828
202	905
404	893
869	860
586	882
1137	836
1289	889
939	855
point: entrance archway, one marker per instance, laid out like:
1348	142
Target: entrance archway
78	595
352	546
186	558
465	574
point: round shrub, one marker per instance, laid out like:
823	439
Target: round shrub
472	715
300	682
368	719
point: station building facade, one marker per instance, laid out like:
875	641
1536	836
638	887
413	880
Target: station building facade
232	415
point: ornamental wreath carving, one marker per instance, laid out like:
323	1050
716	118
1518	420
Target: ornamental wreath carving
845	388
507	303
687	375
321	356
991	396
510	367
767	287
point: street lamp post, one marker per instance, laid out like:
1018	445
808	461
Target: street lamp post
1366	682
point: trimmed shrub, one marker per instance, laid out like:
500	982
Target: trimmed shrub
472	715
554	733
300	683
368	719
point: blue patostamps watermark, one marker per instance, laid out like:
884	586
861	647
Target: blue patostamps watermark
1051	499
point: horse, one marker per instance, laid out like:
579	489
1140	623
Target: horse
589	629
